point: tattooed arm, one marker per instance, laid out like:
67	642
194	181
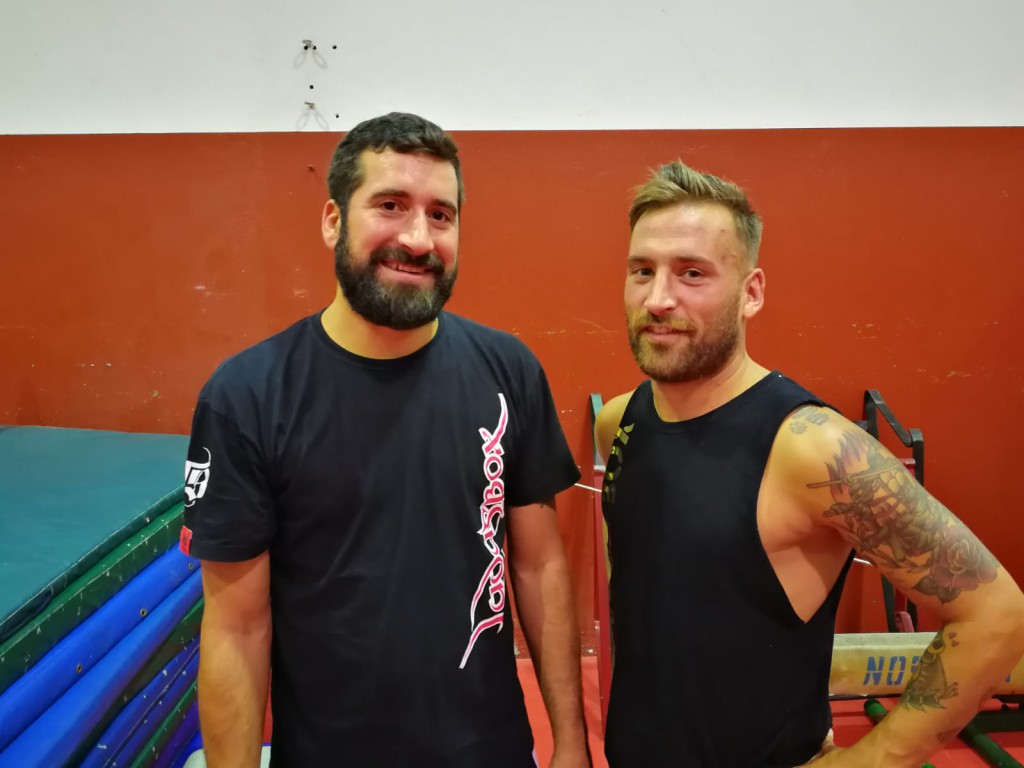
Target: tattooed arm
845	479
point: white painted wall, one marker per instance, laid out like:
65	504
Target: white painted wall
128	66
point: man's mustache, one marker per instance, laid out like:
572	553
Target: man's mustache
646	321
430	261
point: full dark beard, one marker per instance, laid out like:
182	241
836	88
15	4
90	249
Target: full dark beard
700	359
401	307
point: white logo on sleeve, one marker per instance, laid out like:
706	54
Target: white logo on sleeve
197	477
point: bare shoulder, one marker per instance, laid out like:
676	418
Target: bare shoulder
607	422
817	451
809	435
802	447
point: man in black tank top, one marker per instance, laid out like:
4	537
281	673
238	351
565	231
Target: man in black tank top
734	500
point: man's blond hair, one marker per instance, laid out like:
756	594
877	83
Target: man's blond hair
676	183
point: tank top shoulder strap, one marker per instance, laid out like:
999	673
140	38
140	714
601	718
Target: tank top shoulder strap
639	405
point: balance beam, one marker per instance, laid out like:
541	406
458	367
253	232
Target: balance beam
881	664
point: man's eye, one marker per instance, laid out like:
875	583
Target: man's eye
441	215
693	274
389	205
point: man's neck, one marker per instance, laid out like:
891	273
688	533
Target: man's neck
680	401
354	333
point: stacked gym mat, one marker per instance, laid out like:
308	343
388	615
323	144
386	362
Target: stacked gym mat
99	611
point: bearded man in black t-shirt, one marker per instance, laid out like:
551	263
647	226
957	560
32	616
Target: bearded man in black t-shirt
350	484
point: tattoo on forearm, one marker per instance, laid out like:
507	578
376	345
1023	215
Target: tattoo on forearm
929	687
895	523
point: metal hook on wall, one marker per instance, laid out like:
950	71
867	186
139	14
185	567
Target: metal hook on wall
319	119
309	48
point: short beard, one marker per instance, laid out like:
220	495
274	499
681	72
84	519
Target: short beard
401	307
700	359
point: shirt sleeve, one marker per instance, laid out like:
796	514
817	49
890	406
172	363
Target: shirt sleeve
544	465
229	511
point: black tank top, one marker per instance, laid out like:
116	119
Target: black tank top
713	668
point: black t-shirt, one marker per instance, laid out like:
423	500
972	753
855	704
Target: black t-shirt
379	488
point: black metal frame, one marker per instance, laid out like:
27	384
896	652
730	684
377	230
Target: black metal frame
911	438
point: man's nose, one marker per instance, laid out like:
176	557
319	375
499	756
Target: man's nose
415	238
660	299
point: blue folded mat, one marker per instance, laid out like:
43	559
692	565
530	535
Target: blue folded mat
68	497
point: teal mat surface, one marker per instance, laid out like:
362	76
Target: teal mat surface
70	496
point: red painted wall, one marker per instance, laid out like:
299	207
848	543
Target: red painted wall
133	264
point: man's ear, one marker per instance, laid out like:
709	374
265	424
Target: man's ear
330	224
753	293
